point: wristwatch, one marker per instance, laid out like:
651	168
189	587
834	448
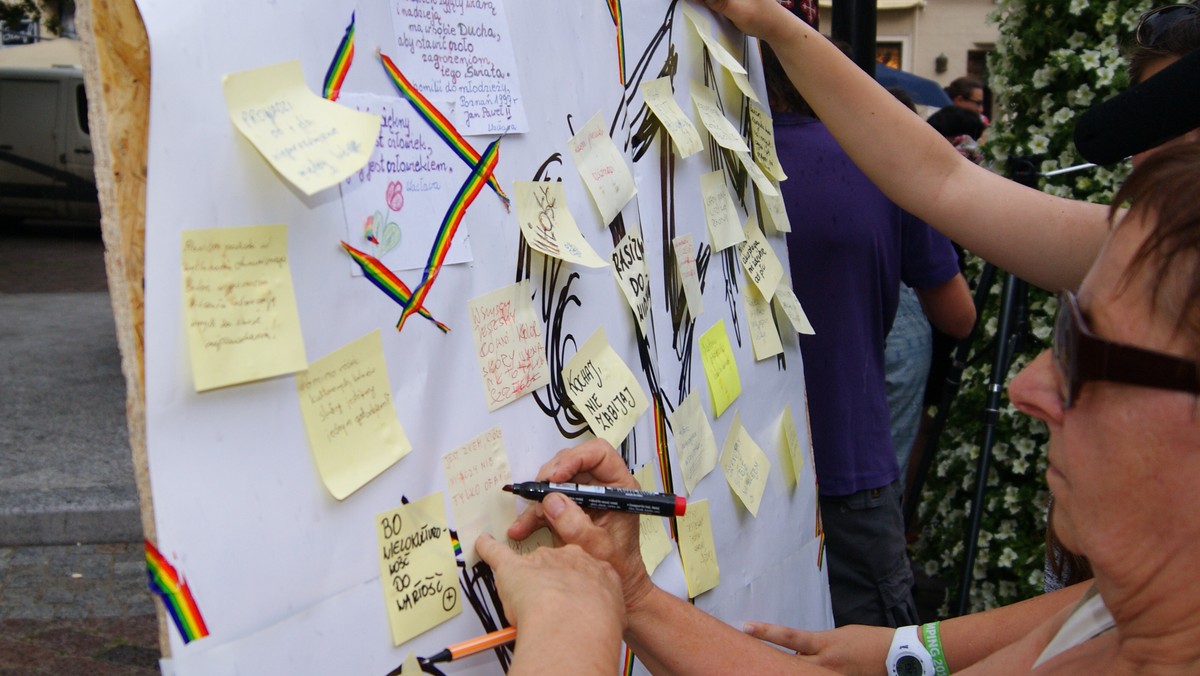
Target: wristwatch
908	656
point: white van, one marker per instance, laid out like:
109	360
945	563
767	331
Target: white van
46	164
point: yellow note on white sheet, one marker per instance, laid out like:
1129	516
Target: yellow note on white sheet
689	274
602	168
417	567
475	473
509	344
760	179
697	550
548	225
239	306
759	261
793	452
774	211
762	138
655	543
745	466
720	367
346	402
790	304
661	100
764	334
715	48
694	440
314	143
629	269
604	390
724	224
721	129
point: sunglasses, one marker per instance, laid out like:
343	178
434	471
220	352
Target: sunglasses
1154	24
1081	355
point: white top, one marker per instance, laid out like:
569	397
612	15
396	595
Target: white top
1089	619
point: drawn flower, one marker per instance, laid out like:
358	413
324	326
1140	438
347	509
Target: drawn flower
395	195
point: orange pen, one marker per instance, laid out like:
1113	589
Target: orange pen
472	646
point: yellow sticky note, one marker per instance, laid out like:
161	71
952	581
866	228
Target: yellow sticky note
775	211
724	225
745	466
742	81
720	367
629	268
661	100
696	549
764	335
689	274
548	226
760	179
346	402
411	666
762	139
417	567
239	306
720	128
312	142
509	344
790	304
604	390
602	168
475	473
793	452
759	261
694	441
715	48
655	543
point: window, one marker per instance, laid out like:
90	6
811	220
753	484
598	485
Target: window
889	54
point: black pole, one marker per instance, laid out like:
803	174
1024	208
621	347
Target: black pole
854	23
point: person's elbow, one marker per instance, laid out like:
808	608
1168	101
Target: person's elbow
950	307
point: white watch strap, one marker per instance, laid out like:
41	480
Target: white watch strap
907	641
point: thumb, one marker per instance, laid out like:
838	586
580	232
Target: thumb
568	520
492	551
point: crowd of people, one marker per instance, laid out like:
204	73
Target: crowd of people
1118	393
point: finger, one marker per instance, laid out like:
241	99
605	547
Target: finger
527	522
595	459
794	639
573	525
492	551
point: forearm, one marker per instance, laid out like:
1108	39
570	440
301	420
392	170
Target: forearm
584	643
949	307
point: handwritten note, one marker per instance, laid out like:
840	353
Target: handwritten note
661	100
760	179
239	305
724	225
697	550
689	274
548	225
462	52
508	344
790	304
694	441
475	473
745	466
764	335
411	174
774	210
654	542
759	261
346	402
762	139
312	142
720	367
721	130
604	390
793	450
417	567
602	168
629	267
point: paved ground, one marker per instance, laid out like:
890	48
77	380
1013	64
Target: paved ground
66	475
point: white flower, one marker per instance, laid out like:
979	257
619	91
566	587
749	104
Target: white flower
1043	76
1063	114
1038	144
931	568
1090	59
1104	76
1007	557
1077	6
1020	465
1048	166
1077	40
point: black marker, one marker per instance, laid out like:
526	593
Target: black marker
604	497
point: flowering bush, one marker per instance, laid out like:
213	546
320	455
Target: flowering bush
1053	60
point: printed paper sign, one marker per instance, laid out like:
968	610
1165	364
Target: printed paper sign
696	549
462	52
346	401
602	168
745	466
655	543
762	138
475	473
417	567
312	142
759	261
689	274
604	390
694	441
548	225
722	131
720	367
508	344
629	267
764	335
790	304
239	306
661	100
793	452
724	225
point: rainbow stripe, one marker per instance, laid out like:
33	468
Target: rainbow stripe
457	545
440	124
388	282
175	595
445	236
614	10
336	75
664	456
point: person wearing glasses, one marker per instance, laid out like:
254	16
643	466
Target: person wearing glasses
967	92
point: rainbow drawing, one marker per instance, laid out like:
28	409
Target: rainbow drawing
614	10
440	124
175	595
336	75
445	236
388	282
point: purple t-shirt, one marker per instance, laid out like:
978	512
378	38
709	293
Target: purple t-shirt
850	247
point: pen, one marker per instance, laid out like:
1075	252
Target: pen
605	497
472	646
